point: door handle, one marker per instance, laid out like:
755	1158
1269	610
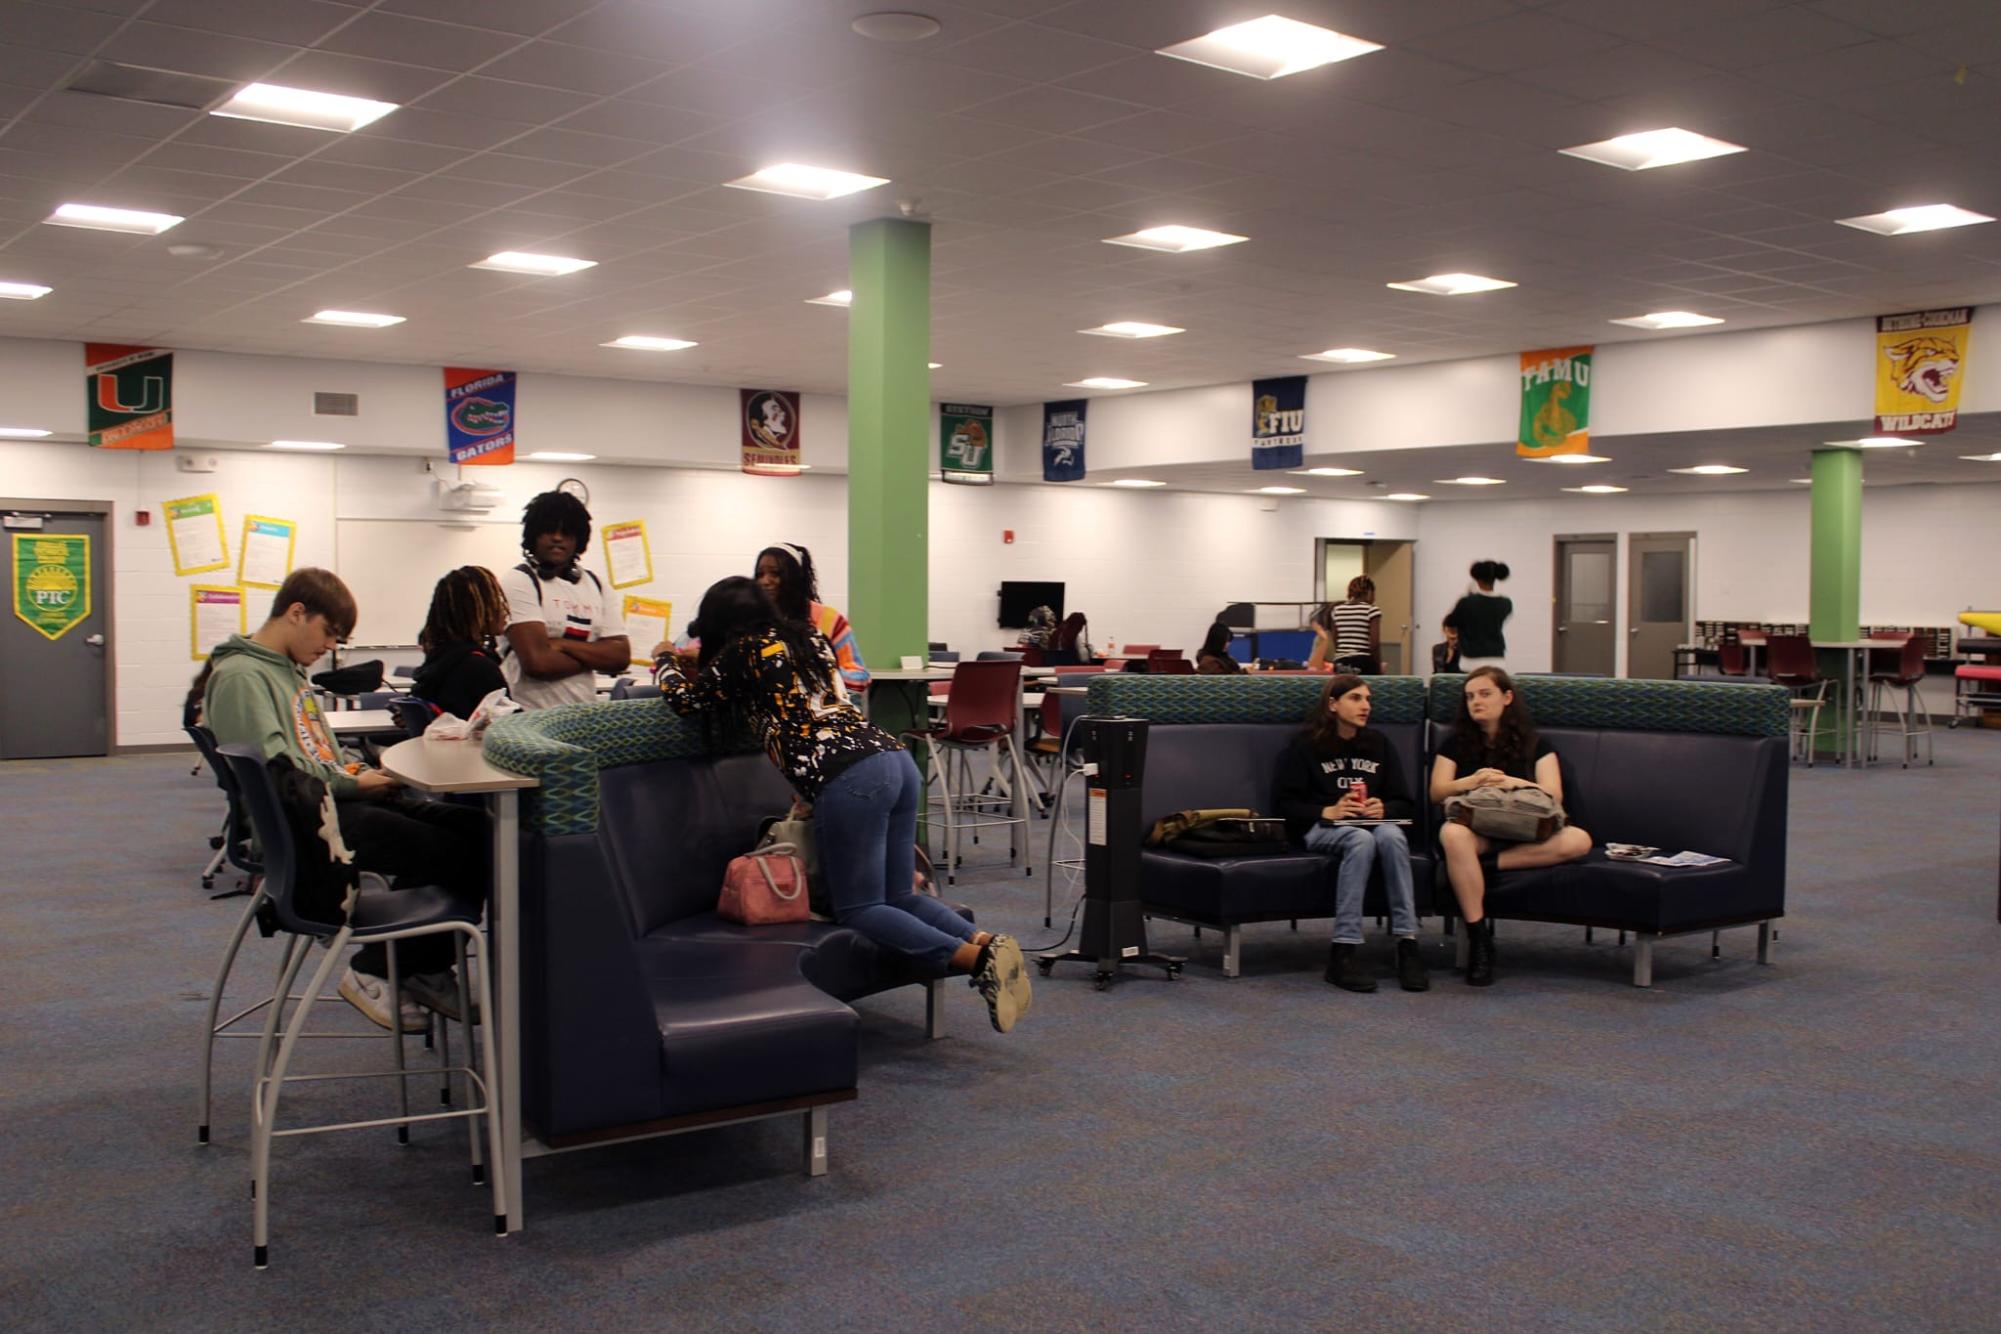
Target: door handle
1635	630
95	641
1563	629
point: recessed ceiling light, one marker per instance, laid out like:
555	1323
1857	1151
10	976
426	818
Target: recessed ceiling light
1669	319
1653	148
1325	472
558	456
21	433
303	107
1135	481
842	298
1709	470
1104	382
1348	356
1970	458
99	219
1571	458
1472	481
1269	48
1133	329
1406	495
1176	239
23	291
1804	481
648	343
1451	284
1918	218
1597	490
934	365
1876	442
803	182
1281	491
540	266
896	27
354	319
308	446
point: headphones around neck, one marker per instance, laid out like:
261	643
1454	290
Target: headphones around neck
568	570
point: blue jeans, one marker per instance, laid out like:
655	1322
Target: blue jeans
1359	849
865	826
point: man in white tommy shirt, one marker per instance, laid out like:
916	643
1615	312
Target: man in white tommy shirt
563	623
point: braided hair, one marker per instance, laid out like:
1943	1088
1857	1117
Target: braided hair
467	607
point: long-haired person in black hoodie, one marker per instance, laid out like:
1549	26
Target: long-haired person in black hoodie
1336	770
461	665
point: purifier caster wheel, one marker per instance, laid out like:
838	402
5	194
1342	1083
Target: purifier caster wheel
1102	981
208	882
1174	972
1046	965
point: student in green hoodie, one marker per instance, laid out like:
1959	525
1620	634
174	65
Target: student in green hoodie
258	696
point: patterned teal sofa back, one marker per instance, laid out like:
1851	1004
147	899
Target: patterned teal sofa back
1242	699
1612	704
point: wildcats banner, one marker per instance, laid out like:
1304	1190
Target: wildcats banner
479	416
130	392
770	431
1278	422
1918	363
966	444
1556	403
1063	440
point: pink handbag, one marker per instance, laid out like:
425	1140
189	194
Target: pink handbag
764	887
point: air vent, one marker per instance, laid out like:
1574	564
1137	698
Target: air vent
336	405
136	83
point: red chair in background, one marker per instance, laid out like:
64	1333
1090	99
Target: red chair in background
1898	673
1732	660
981	714
1790	663
1168	662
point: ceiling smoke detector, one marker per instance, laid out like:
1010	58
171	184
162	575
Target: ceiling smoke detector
893	26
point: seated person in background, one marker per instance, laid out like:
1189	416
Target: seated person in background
1040	628
191	703
1349	633
258	696
1072	637
1337	769
1445	654
789	581
563	624
1494	744
1213	658
461	666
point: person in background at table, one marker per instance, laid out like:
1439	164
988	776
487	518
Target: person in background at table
1040	629
789	581
1445	653
1213	658
563	624
461	665
1072	637
1494	744
191	703
1350	631
764	672
1480	616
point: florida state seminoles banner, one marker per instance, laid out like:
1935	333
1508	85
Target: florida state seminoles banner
479	416
771	431
1556	403
1918	361
1063	440
1278	422
130	391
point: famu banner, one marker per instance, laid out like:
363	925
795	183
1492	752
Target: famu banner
1278	422
966	443
1556	403
130	396
1063	440
1918	361
479	416
770	431
52	581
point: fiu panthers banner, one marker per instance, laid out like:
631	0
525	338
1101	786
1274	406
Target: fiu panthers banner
1919	357
130	393
771	430
479	416
966	444
1063	440
1278	422
1556	403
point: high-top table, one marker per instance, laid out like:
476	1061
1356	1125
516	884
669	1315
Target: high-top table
1854	667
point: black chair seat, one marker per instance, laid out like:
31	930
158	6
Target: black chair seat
1238	888
1630	895
841	962
378	911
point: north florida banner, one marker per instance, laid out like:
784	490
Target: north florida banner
966	443
1278	422
1556	403
130	396
1063	440
479	416
1919	360
771	431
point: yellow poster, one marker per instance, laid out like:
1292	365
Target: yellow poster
214	614
646	624
627	557
264	555
194	532
1919	360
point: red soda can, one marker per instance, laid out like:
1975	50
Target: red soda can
1359	790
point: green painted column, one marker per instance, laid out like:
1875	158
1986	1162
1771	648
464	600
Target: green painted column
1834	591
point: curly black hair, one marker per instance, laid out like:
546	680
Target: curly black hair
735	607
555	512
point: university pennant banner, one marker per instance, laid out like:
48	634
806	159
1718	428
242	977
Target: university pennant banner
1919	358
479	416
1556	403
1278	423
51	581
771	431
1063	440
966	443
130	396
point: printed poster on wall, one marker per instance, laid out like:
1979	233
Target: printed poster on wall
771	431
479	416
52	581
1919	358
1063	440
129	396
646	624
214	614
264	555
194	533
1556	403
1278	423
966	443
627	557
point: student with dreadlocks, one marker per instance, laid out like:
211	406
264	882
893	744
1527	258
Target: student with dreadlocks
461	664
763	672
563	624
789	581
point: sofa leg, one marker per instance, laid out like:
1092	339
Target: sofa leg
1766	935
816	1142
1715	944
1587	935
1233	942
1643	960
934	1008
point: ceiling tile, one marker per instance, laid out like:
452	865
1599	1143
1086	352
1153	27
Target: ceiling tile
287	22
191	51
575	68
418	41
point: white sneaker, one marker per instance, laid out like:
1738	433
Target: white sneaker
370	995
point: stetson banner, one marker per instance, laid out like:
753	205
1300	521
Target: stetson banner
130	393
1919	358
1556	403
1278	422
770	431
52	581
479	416
966	443
1063	440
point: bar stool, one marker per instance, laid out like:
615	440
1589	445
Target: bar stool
1898	673
1790	662
981	714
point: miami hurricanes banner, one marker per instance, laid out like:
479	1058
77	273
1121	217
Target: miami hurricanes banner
130	393
479	416
771	432
1278	422
1556	403
1063	440
1919	358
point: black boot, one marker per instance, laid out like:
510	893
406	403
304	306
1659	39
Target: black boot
1410	966
1480	953
1345	970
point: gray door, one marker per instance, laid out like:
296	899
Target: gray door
1660	574
1586	584
52	691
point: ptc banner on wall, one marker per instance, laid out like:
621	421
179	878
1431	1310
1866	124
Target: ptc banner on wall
1063	440
1556	403
966	443
771	431
130	396
1919	358
1278	422
479	416
52	581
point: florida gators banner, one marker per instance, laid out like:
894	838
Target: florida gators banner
1919	358
1556	403
479	416
1278	422
130	393
1063	440
771	431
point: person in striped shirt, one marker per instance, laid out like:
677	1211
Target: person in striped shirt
785	575
1350	632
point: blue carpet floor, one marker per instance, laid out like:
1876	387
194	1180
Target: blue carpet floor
1811	1145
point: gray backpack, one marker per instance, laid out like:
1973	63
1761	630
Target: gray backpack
1509	814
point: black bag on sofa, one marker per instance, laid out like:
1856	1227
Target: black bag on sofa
1251	836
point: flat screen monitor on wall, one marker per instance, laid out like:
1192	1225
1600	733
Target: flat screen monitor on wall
1017	599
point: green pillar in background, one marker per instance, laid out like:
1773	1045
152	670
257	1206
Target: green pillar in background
1834	590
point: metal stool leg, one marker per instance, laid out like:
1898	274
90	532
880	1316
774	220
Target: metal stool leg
469	1017
215	1004
265	1095
396	1039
